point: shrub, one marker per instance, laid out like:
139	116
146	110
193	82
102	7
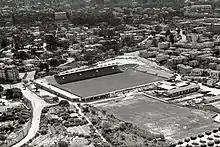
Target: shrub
94	121
122	126
45	110
21	120
193	138
215	131
105	125
1	88
93	112
43	132
55	99
62	144
208	133
2	137
200	135
77	121
64	103
85	109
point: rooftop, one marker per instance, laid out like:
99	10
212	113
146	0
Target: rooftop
213	99
182	89
85	68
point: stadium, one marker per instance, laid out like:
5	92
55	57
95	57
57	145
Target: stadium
104	82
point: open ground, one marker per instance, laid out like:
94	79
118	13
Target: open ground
173	121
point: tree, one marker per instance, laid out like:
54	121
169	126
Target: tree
93	111
106	125
45	110
17	95
65	116
77	121
122	126
21	120
1	88
43	66
2	137
55	99
21	55
3	43
157	28
25	81
54	62
64	103
167	33
9	94
154	42
13	93
104	112
94	121
62	144
43	132
171	37
85	109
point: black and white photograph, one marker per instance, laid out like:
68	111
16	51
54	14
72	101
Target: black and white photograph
109	73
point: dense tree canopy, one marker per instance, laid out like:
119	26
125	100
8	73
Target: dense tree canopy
13	94
64	103
1	88
62	144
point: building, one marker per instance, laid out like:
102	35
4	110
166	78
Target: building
12	73
61	16
211	82
193	63
199	8
161	58
212	99
212	66
9	74
2	72
182	90
164	45
197	72
79	74
49	38
184	69
218	67
215	74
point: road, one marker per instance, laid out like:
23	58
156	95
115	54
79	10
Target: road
38	104
30	75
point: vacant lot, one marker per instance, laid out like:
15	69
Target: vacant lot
173	121
99	85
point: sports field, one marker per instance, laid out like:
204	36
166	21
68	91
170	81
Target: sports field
104	84
172	121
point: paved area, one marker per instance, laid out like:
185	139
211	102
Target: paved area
30	75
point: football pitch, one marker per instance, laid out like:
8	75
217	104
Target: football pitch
173	121
109	83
